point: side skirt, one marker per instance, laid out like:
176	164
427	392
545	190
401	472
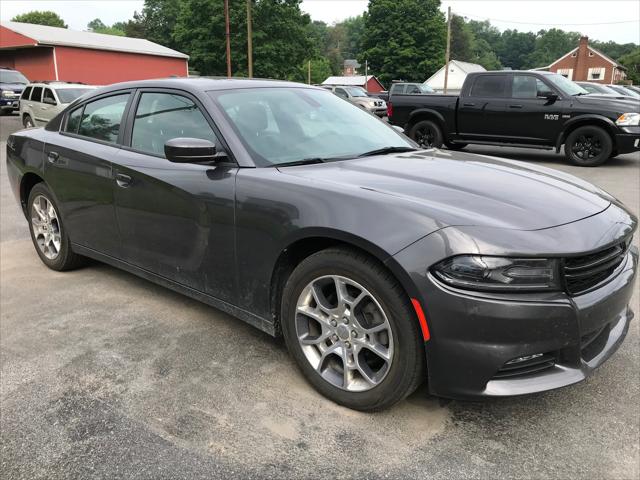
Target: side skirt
248	317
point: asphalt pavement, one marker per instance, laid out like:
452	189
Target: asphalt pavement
105	375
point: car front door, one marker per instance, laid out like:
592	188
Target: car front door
532	116
79	169
480	110
176	220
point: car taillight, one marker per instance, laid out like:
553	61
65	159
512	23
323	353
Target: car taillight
389	109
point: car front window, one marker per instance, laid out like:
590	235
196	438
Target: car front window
282	125
566	85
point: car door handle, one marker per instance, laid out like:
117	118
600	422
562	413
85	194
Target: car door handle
515	106
468	104
53	157
123	181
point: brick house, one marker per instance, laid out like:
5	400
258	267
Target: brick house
585	63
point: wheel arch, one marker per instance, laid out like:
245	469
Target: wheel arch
28	181
315	240
428	114
584	121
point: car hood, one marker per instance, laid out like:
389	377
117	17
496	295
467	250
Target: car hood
14	87
613	103
455	188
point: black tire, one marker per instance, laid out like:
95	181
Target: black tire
27	122
456	146
427	134
65	259
588	146
408	366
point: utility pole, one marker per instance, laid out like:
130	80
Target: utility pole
447	55
309	73
228	33
250	38
366	75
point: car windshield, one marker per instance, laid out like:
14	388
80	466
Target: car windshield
357	92
68	95
624	91
284	125
566	85
8	76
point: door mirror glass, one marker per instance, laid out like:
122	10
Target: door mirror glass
190	150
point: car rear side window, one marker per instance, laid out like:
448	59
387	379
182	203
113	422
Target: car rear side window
26	93
73	120
493	86
36	94
161	117
101	119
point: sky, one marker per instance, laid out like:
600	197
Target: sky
617	20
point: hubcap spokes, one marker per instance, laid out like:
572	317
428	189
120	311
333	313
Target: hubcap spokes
586	147
425	138
46	227
344	333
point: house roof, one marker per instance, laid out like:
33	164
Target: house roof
45	35
594	50
465	67
357	80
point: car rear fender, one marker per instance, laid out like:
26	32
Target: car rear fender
421	114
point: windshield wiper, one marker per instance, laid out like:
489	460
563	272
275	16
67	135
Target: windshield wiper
386	150
304	161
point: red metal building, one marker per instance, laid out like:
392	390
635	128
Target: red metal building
50	53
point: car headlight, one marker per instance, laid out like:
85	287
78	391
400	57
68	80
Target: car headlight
6	93
486	273
627	119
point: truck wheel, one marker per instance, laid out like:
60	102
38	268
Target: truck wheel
427	134
27	122
352	330
588	146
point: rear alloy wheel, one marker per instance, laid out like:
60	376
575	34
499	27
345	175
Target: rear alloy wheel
588	146
352	331
28	122
426	134
47	232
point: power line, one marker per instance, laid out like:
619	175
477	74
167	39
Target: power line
462	14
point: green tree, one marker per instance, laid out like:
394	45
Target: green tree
49	18
320	71
613	49
353	32
632	62
97	26
551	45
515	48
404	39
462	40
157	21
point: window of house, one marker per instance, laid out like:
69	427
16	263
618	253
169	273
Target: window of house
566	72
596	73
101	119
161	117
590	53
574	54
493	86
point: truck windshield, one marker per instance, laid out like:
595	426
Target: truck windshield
285	125
8	76
566	85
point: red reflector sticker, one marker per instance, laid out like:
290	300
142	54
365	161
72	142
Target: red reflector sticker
422	319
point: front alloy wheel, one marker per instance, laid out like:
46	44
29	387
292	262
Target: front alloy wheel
344	333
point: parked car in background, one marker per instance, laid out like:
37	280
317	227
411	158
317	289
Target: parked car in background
12	82
624	90
598	88
383	265
42	101
634	88
359	97
526	109
406	89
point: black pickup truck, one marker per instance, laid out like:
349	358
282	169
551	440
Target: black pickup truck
522	109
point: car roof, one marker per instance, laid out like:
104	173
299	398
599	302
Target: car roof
59	85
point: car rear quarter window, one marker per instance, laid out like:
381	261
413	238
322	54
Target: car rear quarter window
101	119
492	86
36	94
161	117
73	120
26	93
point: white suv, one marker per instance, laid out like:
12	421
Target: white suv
42	101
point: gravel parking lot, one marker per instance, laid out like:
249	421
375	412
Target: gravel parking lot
104	375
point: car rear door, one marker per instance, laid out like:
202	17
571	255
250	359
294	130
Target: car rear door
34	105
79	169
176	220
481	108
531	117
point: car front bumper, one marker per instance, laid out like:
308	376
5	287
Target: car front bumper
9	104
496	344
629	141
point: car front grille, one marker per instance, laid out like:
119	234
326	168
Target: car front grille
585	272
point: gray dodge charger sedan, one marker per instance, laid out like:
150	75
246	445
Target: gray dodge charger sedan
381	264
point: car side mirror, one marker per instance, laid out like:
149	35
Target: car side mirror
551	97
49	101
190	150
